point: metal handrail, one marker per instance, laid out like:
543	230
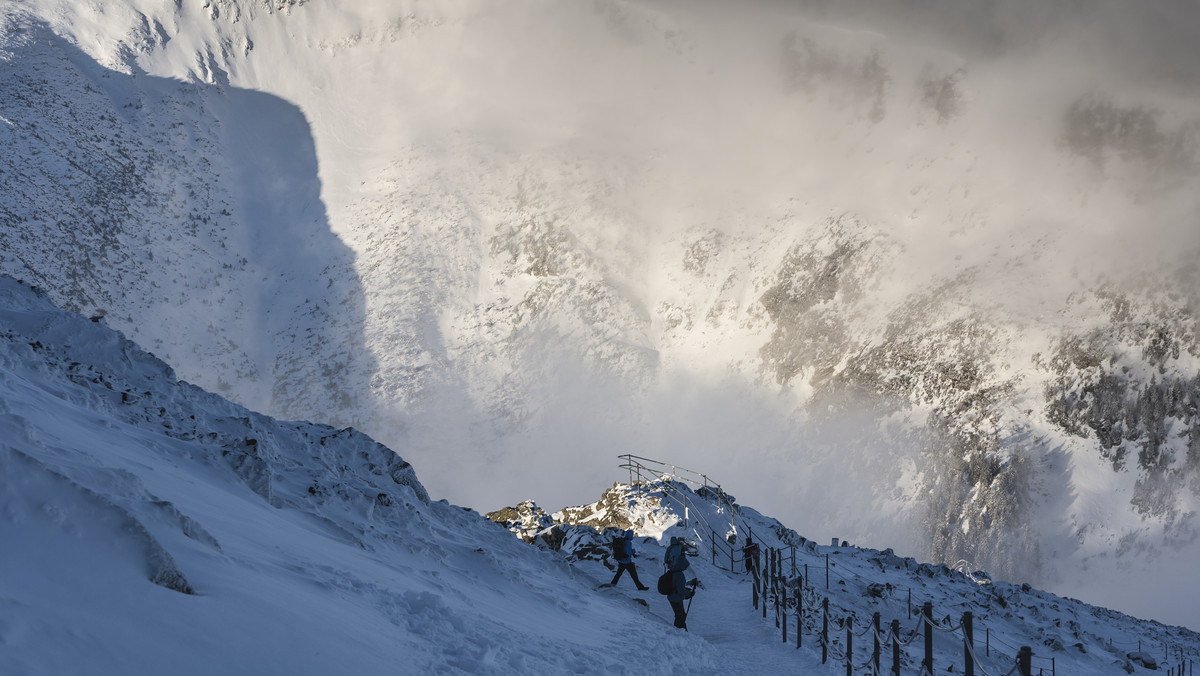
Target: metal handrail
674	473
658	468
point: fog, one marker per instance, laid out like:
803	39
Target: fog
1033	150
1028	150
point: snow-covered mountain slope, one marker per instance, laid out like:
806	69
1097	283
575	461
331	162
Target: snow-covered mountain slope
936	265
152	527
857	582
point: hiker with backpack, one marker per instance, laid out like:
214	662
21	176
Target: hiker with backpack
674	584
750	556
623	553
674	552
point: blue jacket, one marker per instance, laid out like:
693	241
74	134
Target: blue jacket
628	548
680	563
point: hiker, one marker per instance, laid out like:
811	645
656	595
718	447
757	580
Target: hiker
674	552
680	589
623	553
750	556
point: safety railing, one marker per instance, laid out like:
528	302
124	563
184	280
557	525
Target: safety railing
794	596
642	470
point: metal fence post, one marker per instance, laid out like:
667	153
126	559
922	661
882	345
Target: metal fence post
875	654
1025	660
968	643
895	647
927	612
824	629
849	645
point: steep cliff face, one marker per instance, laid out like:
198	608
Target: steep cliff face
187	212
723	229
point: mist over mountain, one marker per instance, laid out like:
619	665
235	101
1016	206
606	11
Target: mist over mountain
922	274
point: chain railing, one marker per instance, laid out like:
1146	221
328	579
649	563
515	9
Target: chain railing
795	595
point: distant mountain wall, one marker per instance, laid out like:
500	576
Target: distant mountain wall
933	278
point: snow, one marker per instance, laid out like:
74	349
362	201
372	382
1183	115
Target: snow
93	486
135	544
362	159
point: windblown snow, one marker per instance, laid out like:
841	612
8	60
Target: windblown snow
918	275
152	527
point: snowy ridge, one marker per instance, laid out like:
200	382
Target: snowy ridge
298	548
1064	633
152	527
939	266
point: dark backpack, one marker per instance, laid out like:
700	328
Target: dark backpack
620	551
665	585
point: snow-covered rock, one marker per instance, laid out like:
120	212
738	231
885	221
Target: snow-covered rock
924	278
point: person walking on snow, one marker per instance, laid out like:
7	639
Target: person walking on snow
680	589
674	551
750	555
623	553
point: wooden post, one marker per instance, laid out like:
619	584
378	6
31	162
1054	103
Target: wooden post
849	645
1025	661
895	647
826	572
875	654
968	643
779	610
779	570
714	548
799	612
763	578
783	619
824	630
754	586
927	612
771	566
